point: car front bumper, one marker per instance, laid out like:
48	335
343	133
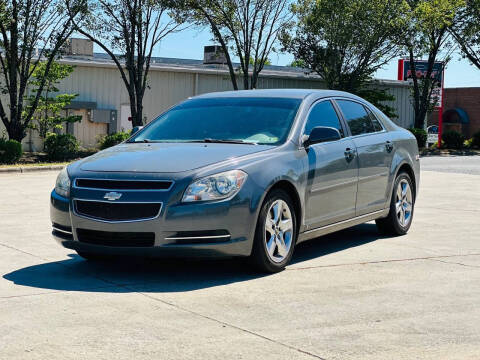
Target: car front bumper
210	229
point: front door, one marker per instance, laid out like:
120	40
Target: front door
333	172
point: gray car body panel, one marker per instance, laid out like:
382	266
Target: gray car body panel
324	184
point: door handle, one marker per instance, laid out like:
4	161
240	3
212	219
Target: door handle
389	146
349	154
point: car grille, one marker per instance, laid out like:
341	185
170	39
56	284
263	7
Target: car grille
100	210
123	184
120	239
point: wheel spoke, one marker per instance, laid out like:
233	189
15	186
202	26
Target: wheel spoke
398	207
271	245
408	207
277	211
282	248
285	225
399	193
269	224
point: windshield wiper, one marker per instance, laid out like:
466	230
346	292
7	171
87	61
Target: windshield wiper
141	141
228	141
207	140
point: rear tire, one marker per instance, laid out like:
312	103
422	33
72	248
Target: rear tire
275	234
400	217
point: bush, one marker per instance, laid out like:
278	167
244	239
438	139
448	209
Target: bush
476	140
113	139
61	147
468	144
453	139
435	145
10	151
420	135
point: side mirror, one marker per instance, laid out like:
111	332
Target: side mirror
136	129
321	134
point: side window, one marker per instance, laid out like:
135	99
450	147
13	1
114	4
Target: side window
376	123
356	116
384	119
323	114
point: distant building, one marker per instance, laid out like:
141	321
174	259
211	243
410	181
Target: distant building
104	104
461	111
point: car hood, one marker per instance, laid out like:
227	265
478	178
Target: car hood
165	157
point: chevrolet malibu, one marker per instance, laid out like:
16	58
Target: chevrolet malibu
246	173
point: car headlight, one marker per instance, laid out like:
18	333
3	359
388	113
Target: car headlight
62	186
215	187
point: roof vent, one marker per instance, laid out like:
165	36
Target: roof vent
79	47
214	54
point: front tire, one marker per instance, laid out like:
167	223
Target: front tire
275	234
400	217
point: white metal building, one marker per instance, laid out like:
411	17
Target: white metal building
103	101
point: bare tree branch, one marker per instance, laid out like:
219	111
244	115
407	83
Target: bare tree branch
32	31
249	28
128	31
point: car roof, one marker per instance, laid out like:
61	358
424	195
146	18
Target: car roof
278	93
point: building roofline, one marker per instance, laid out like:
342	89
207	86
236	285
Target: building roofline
197	67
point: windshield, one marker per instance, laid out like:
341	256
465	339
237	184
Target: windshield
242	120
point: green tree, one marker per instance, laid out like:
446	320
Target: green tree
466	31
427	35
31	32
345	42
298	63
247	28
128	31
48	114
252	61
378	97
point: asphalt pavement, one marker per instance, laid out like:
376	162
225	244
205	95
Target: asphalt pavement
452	164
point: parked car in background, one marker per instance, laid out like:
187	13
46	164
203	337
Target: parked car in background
432	135
246	173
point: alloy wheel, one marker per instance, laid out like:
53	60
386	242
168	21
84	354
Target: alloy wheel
404	203
278	231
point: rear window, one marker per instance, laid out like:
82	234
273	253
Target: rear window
357	117
376	123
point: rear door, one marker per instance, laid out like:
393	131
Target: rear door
375	152
333	171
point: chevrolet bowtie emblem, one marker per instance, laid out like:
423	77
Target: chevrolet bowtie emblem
112	196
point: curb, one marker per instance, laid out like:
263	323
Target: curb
24	169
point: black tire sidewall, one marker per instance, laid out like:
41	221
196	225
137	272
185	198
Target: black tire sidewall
393	211
259	252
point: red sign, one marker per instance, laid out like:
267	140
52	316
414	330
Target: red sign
405	72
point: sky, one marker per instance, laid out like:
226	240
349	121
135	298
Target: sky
189	43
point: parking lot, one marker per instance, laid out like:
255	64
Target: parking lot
349	295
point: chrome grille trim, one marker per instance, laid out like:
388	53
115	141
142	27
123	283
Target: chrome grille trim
197	237
123	180
62	231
